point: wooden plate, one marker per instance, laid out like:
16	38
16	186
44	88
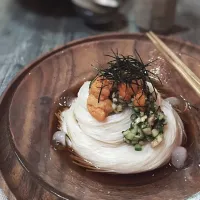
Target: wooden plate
33	170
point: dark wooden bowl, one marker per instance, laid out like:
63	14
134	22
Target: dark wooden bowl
30	166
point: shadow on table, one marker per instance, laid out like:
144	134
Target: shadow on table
56	8
49	14
117	24
178	29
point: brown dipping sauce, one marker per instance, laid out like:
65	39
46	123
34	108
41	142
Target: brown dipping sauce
64	102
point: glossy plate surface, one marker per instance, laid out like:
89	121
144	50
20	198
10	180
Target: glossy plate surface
30	123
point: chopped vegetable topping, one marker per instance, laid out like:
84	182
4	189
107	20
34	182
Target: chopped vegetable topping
146	127
125	84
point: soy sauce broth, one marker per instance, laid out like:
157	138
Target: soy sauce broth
64	102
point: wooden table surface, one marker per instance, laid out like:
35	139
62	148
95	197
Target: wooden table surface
27	31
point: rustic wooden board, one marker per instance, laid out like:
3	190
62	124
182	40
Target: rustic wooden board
37	87
25	34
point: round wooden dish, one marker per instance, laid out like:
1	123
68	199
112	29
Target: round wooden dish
33	170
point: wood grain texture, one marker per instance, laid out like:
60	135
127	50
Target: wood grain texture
24	35
40	86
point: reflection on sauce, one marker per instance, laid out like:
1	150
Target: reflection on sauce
64	102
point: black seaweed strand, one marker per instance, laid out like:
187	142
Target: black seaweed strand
127	70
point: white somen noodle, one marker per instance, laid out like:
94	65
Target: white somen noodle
101	143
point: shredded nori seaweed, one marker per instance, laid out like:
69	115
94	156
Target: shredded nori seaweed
127	69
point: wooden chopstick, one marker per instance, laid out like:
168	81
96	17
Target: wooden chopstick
175	57
172	62
168	58
187	74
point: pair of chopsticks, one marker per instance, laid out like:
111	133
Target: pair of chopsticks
175	61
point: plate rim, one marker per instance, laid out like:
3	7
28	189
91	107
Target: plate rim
44	56
83	40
